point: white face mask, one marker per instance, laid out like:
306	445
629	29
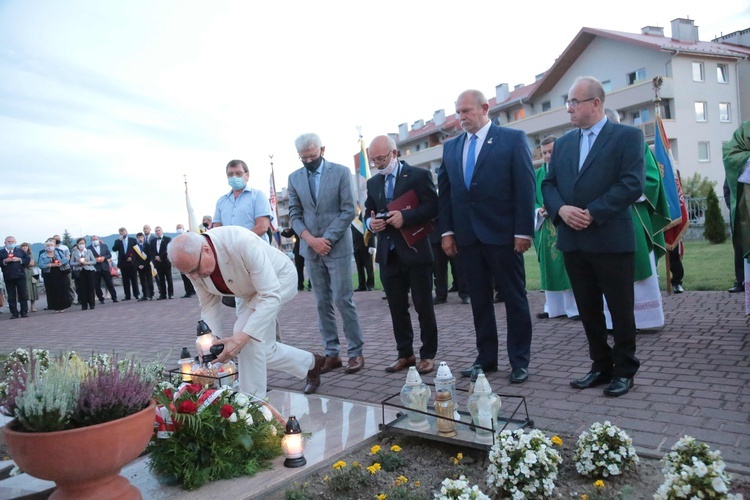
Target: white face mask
81	247
390	168
95	243
180	231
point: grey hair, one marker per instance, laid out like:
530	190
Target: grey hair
478	96
613	115
307	141
185	243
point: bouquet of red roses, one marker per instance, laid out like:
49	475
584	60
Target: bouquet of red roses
206	434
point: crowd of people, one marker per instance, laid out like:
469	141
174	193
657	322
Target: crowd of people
595	211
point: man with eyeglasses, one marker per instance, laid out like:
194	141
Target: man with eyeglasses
403	268
243	205
486	192
596	173
234	262
321	208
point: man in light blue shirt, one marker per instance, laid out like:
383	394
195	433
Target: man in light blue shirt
243	206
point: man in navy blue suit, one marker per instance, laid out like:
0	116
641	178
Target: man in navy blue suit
486	187
596	173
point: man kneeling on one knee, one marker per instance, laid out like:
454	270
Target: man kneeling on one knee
234	261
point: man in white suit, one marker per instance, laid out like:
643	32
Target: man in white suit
234	261
321	208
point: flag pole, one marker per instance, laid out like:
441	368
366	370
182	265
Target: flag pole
192	224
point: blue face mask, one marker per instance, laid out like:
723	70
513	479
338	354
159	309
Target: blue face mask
10	246
236	183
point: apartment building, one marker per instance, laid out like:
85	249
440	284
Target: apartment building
705	94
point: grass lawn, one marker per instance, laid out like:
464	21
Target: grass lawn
708	267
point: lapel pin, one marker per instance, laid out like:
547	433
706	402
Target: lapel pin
490	141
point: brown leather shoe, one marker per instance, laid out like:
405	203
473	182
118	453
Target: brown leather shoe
426	366
401	363
331	363
313	375
355	364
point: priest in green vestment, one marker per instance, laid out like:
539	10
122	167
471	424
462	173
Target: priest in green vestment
558	293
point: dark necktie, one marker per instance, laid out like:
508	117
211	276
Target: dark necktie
311	180
470	160
390	181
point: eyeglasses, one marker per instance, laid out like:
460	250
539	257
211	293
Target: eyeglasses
310	157
198	267
379	159
573	103
235	174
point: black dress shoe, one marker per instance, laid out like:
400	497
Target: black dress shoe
101	301
115	300
543	315
591	379
486	369
452	289
370	288
678	289
126	298
360	289
576	317
465	300
439	300
161	298
737	287
186	296
618	387
519	375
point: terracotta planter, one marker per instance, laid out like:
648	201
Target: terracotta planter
84	463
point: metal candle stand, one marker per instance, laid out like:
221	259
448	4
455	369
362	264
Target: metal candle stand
511	416
217	380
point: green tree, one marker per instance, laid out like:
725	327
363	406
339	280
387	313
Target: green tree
715	229
67	239
697	186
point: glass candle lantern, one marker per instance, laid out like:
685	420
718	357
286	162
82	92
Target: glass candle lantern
445	381
484	406
293	445
415	395
444	407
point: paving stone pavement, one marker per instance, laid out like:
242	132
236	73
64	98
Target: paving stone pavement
694	377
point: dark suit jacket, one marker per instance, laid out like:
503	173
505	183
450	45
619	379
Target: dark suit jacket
124	253
14	270
103	252
420	180
162	250
610	181
500	201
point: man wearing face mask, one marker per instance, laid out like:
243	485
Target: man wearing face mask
103	258
321	207
189	288
206	224
403	267
243	205
13	262
124	248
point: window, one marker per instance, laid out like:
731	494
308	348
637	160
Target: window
640	117
698	74
700	112
607	84
704	153
636	118
722	73
519	115
636	76
546	106
724	115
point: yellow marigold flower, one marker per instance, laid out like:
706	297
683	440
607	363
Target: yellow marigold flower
372	469
599	484
557	441
382	496
355	464
584	497
339	465
460	456
417	484
395	448
401	480
454	460
325	479
375	449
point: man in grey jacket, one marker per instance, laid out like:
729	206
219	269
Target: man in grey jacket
321	208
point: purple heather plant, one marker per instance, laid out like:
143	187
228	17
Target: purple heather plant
110	392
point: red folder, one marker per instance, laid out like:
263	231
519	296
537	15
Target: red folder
411	234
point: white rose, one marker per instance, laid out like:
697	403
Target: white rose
242	400
266	413
249	419
233	417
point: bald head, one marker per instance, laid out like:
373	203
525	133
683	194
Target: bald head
185	252
382	149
